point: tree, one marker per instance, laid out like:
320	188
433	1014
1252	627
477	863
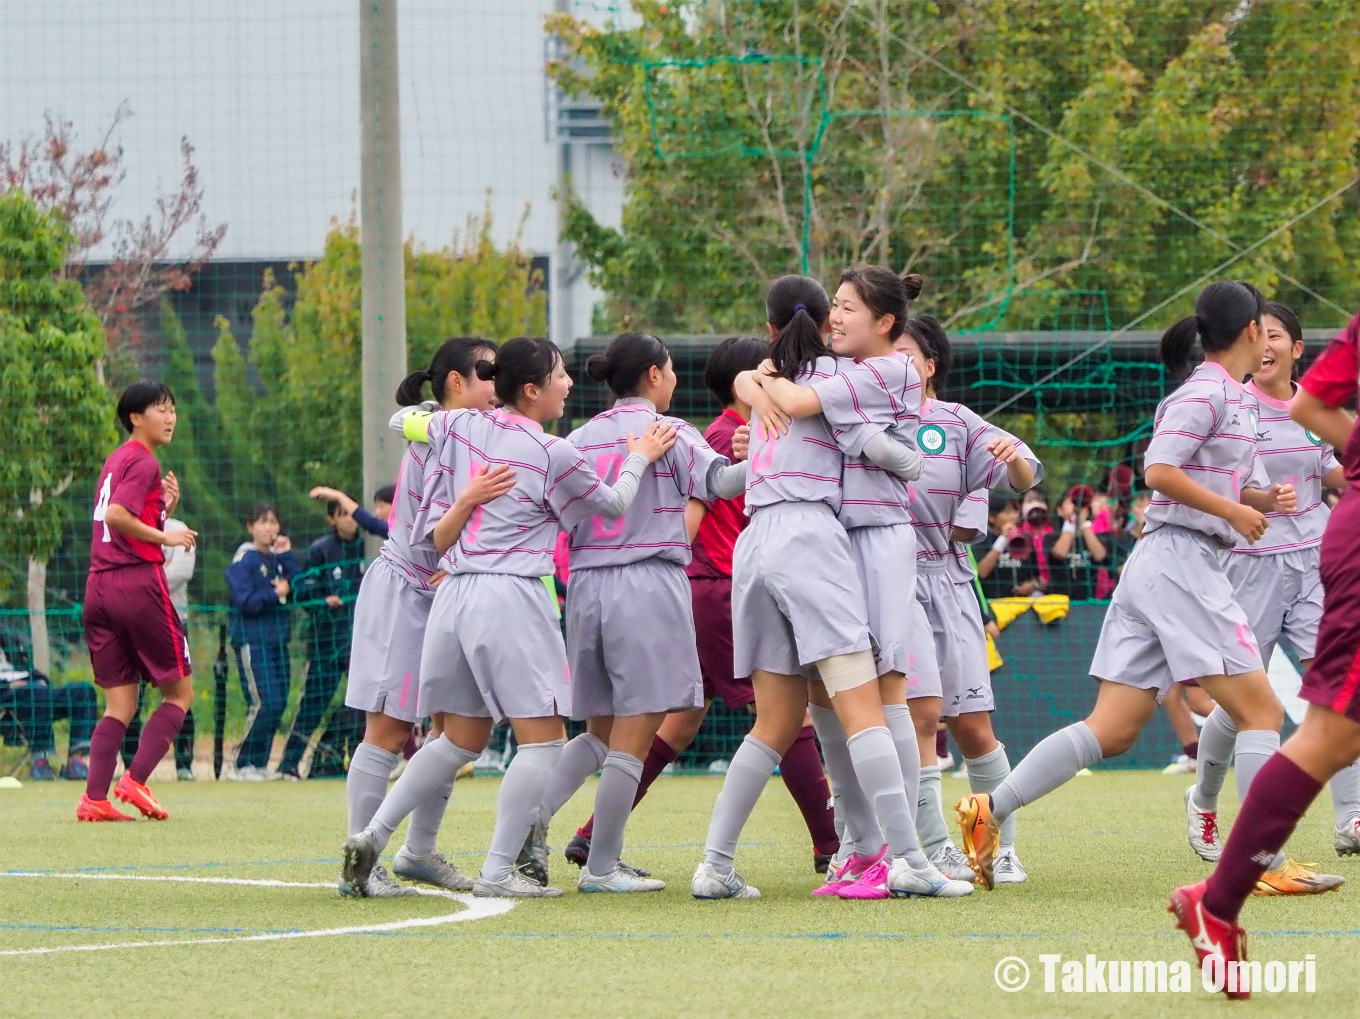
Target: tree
58	417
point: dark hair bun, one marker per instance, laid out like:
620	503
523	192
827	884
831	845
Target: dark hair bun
913	283
598	367
487	370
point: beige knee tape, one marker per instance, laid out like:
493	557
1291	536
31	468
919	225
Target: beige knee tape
845	672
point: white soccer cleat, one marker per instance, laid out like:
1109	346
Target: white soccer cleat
1201	829
708	883
1347	839
906	883
950	861
1006	869
431	869
249	773
1182	765
620	879
515	886
382	886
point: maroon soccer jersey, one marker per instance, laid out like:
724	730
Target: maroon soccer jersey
725	518
1334	379
131	478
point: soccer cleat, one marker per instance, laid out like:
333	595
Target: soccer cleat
905	882
1208	934
1182	765
382	886
1201	828
1346	840
98	810
431	869
1295	878
578	850
872	884
532	861
249	773
849	873
515	886
820	862
981	835
1007	869
620	879
708	883
42	770
185	775
76	768
950	861
360	854
130	791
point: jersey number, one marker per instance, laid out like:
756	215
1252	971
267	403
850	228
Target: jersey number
101	506
607	468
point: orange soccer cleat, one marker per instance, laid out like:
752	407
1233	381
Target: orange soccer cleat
98	810
1208	934
129	790
1295	878
981	835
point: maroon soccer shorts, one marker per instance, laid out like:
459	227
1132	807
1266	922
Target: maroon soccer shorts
132	629
713	631
1333	679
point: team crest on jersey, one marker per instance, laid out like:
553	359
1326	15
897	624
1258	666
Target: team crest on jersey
1313	437
1254	421
930	438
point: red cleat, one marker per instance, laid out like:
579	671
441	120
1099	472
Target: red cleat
1208	934
98	810
129	790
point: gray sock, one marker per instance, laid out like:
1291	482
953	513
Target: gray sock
423	831
908	751
752	766
580	759
1346	793
1254	748
861	823
930	827
366	783
613	805
1215	754
1050	764
987	772
517	805
880	776
433	766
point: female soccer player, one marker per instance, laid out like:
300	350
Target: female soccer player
630	624
493	647
963	454
131	627
389	624
880	392
1277	583
1329	738
1173	616
797	602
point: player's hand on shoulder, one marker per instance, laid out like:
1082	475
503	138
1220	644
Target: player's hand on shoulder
741	443
1249	523
487	483
655	442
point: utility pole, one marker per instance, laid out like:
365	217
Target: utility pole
384	264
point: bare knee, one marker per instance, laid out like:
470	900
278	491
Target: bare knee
388	733
973	733
1115	737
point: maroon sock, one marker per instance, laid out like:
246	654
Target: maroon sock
157	735
411	747
1280	795
104	745
658	757
942	743
801	770
1191	750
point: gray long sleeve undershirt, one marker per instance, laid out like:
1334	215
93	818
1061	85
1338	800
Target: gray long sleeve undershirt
727	481
894	456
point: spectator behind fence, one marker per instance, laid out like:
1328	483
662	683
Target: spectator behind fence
29	704
1006	564
373	523
179	570
1076	551
1034	522
260	579
328	587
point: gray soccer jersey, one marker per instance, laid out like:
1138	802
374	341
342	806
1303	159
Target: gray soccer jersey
971	515
1207	428
654	525
953	441
802	466
414	560
555	489
1291	455
864	398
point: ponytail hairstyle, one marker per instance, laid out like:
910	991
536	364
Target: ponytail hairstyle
934	343
884	292
1222	310
797	307
461	354
523	361
1284	314
626	361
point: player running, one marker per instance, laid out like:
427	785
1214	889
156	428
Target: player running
493	647
1276	582
131	627
1329	738
1173	616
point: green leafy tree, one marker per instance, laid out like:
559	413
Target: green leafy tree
58	417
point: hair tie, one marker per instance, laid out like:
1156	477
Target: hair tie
799	307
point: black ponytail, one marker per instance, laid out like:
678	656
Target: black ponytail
626	361
460	354
934	343
1222	310
797	306
523	361
884	292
